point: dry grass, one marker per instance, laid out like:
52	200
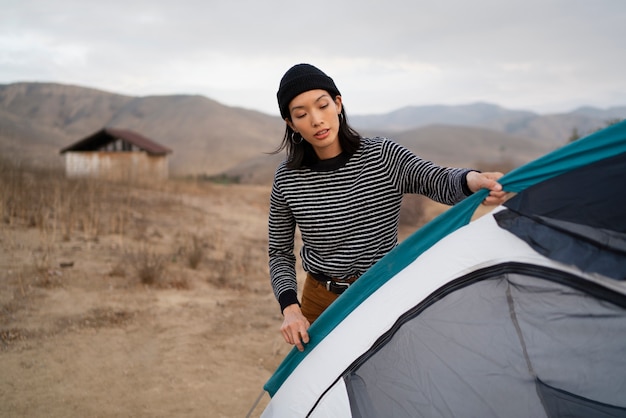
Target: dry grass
165	288
128	287
149	266
60	207
65	210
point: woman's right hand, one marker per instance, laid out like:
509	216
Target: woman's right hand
295	326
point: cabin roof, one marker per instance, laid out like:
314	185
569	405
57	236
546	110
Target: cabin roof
101	138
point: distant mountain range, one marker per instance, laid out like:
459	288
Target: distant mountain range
208	138
552	129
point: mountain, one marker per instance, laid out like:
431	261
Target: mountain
473	147
594	112
206	136
209	138
478	114
551	129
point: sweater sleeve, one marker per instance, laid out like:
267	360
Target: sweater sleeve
413	174
282	260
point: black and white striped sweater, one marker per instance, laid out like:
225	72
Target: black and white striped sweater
347	209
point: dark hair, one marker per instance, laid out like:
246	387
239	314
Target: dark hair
303	155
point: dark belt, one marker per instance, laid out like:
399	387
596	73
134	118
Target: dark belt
333	285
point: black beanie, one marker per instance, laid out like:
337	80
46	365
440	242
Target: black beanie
301	78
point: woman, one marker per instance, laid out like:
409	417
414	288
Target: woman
344	193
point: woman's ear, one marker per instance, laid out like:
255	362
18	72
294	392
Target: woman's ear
290	124
338	103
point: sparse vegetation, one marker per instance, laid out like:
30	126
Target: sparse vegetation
56	206
575	135
63	209
194	252
67	210
149	266
93	279
219	178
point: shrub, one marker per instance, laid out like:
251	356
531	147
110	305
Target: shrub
195	254
149	266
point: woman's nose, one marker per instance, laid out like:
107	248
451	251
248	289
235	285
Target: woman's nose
316	119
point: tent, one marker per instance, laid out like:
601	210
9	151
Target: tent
520	313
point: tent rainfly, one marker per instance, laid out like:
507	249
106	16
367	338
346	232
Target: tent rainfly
521	313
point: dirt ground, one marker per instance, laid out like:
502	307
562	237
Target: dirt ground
171	316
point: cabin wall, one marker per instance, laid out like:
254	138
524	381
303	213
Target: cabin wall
117	166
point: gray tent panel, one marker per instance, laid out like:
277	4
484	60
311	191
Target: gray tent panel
514	341
592	250
576	218
559	403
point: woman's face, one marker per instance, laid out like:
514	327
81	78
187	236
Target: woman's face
315	116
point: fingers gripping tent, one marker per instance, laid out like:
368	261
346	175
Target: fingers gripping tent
520	313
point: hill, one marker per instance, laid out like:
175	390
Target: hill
39	119
208	138
551	129
472	146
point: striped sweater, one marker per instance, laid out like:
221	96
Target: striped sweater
347	209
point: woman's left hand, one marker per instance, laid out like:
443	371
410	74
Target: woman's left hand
477	181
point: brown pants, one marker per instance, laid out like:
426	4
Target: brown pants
315	298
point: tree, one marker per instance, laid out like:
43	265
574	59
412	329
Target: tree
575	135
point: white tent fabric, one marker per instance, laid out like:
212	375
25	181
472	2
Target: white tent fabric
477	245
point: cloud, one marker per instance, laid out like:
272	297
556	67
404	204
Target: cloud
532	54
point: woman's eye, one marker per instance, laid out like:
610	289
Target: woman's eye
300	116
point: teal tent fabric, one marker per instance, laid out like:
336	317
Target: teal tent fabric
595	147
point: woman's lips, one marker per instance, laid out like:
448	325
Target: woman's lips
322	134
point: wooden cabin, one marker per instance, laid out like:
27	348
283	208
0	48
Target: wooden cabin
118	155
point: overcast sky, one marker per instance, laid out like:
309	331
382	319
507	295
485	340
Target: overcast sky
540	55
